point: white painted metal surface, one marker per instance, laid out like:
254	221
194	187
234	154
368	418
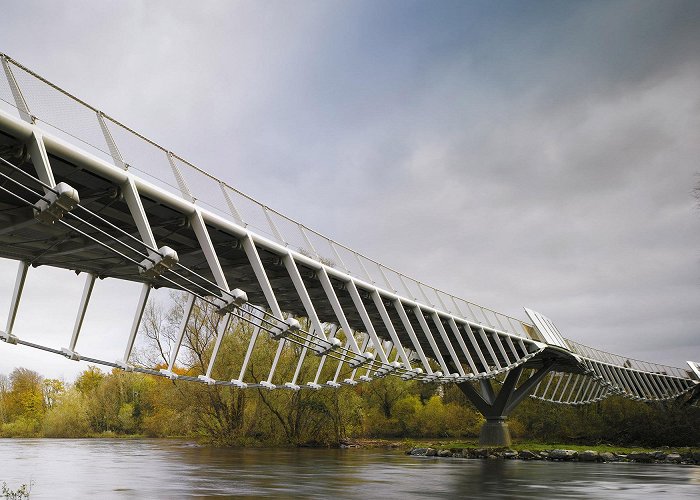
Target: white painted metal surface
467	341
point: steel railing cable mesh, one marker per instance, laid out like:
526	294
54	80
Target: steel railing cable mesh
262	321
79	120
625	362
267	325
303	338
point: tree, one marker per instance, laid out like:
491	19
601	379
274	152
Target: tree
53	389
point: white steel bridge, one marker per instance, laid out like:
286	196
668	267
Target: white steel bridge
81	191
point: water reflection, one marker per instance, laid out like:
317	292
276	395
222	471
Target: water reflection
175	469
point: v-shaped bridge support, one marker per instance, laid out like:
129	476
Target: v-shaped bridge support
496	407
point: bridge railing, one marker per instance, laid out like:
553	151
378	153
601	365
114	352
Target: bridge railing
36	100
625	362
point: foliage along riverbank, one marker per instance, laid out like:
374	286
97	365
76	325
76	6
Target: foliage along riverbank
119	403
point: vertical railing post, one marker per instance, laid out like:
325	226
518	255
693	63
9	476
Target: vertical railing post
20	102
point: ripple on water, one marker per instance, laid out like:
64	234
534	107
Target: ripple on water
148	468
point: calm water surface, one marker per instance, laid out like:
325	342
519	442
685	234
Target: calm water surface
69	468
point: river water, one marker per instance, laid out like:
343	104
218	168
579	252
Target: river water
104	468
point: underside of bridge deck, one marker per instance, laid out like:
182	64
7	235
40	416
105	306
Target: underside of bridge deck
115	205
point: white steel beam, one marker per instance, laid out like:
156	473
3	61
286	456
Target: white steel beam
251	344
501	349
337	308
40	158
302	355
260	274
204	240
111	145
268	383
379	303
475	344
133	201
22	269
186	313
398	305
489	347
231	207
446	340
462	345
20	102
298	282
140	308
369	328
221	330
181	183
431	340
82	309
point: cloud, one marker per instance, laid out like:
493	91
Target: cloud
536	154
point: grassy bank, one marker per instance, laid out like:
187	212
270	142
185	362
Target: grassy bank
518	445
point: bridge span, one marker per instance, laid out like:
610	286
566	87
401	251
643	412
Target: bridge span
81	191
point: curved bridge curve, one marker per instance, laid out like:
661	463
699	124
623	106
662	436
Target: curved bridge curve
81	191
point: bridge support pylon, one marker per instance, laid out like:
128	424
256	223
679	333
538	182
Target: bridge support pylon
496	408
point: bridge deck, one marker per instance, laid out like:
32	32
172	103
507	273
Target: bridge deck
123	217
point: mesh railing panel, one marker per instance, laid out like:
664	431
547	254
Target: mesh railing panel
71	118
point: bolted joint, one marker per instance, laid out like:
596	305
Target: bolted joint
313	385
450	377
268	385
280	331
56	204
124	366
411	374
361	360
238	383
157	264
206	380
432	377
72	355
289	385
9	338
324	347
384	370
167	373
349	381
332	383
237	298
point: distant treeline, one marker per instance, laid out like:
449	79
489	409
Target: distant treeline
126	403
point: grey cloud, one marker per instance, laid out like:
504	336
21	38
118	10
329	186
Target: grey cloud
534	154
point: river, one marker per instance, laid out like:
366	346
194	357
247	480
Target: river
145	468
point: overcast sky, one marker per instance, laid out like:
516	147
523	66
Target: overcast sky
517	154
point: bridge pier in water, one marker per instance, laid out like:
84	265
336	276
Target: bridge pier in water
497	407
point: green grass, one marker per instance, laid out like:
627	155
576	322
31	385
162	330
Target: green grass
520	445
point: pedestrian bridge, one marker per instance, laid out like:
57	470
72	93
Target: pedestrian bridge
81	191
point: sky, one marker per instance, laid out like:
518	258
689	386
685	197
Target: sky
517	154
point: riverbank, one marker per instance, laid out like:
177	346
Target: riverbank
682	456
536	451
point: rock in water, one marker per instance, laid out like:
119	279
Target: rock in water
589	456
641	457
563	454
